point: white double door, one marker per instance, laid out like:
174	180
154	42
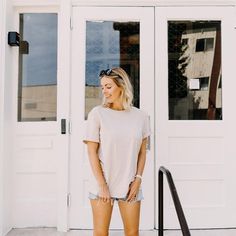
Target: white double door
103	38
200	154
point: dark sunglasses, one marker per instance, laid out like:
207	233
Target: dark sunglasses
108	72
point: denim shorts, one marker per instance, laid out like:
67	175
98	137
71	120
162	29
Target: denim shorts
139	197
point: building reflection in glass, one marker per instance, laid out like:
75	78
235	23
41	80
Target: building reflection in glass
110	44
194	70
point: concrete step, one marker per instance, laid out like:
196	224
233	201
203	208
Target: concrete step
53	232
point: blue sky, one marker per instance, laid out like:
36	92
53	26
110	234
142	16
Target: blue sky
40	65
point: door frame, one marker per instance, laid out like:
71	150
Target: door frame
79	72
63	101
199	128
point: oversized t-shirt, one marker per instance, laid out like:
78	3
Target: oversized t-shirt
120	135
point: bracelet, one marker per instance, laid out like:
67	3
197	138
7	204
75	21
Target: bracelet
138	176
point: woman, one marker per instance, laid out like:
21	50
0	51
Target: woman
116	138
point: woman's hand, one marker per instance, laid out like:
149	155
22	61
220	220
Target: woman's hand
104	193
133	189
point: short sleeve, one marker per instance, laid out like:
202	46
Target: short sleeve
92	128
146	127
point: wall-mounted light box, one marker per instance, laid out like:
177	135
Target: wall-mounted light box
13	38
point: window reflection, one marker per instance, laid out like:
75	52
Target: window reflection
110	44
194	73
37	87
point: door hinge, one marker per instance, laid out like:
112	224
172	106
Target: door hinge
68	199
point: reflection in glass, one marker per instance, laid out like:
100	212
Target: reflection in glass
37	87
110	44
194	70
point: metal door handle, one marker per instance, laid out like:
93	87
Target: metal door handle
63	126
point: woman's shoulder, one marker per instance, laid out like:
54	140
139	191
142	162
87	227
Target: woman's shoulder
139	111
95	110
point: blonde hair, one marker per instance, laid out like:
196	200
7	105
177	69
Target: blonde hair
121	79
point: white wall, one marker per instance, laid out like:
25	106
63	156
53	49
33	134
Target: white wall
5	119
1	114
151	2
126	2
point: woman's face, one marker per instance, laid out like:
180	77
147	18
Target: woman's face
110	90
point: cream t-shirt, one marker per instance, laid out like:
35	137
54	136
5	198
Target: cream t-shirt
120	135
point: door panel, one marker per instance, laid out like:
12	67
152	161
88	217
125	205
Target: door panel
195	121
36	106
103	38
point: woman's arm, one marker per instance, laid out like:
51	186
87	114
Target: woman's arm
134	187
94	162
141	158
97	170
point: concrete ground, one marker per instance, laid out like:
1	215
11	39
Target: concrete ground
53	232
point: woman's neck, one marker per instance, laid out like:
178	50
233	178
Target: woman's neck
117	106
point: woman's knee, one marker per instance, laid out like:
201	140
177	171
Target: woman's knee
100	232
131	232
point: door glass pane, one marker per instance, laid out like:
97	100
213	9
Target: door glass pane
194	70
37	87
110	44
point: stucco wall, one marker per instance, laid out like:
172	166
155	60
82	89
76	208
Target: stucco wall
126	2
6	13
1	117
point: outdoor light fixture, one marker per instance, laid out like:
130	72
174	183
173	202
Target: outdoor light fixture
13	39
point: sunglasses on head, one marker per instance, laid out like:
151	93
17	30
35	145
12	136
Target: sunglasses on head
108	72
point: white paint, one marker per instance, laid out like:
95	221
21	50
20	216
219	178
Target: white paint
53	170
80	212
154	3
5	121
40	152
2	53
38	3
64	73
198	153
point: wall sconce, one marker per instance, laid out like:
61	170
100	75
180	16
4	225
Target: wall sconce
13	39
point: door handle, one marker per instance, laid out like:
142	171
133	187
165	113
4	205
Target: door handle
63	126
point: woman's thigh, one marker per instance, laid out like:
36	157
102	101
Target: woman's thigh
130	214
101	215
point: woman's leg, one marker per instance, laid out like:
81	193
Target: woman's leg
101	217
130	213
